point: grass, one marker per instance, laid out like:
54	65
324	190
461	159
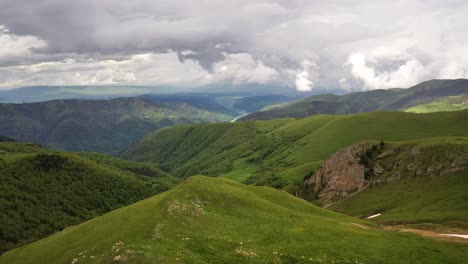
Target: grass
215	220
440	200
279	152
450	103
417	197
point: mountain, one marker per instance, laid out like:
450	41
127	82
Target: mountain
98	125
375	100
213	220
412	182
281	152
32	94
44	191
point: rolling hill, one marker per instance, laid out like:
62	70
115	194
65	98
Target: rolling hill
43	191
375	100
96	125
411	182
214	220
282	152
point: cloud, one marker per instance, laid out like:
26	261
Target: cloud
344	84
14	47
377	44
242	68
303	78
147	68
408	73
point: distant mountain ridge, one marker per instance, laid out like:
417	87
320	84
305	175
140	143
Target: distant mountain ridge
375	100
32	94
97	125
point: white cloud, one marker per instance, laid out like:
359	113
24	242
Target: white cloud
344	84
148	68
242	68
14	47
407	74
304	78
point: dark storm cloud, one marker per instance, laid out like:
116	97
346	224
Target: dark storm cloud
303	43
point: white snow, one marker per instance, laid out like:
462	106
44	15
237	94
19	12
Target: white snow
372	216
455	235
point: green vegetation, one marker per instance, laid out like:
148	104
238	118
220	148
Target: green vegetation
376	100
44	191
450	103
279	153
97	125
214	220
431	187
440	200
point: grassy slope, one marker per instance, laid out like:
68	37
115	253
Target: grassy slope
273	150
439	200
416	199
451	103
43	191
208	220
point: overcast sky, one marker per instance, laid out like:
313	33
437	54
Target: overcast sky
355	45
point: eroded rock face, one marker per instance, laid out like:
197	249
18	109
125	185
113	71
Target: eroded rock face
340	175
360	165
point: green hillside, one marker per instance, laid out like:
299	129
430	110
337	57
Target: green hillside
450	103
409	182
96	125
280	153
423	181
209	220
413	201
375	100
43	191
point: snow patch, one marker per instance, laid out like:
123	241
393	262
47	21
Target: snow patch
373	216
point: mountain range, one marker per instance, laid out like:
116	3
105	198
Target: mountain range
374	100
95	125
183	187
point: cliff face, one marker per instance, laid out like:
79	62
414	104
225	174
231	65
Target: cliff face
363	164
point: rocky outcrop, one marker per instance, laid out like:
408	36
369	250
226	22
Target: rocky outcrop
340	175
354	168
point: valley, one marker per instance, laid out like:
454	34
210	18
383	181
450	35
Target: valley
185	185
232	132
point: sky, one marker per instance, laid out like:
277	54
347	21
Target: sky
303	44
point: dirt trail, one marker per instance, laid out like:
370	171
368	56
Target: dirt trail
426	233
